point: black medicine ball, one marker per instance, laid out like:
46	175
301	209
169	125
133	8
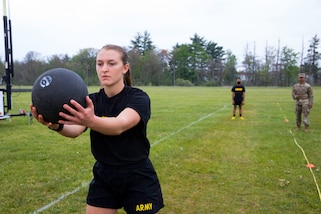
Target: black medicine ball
54	88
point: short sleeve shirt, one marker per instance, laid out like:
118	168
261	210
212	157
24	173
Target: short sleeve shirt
238	90
132	145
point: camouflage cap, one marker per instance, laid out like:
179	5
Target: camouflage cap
301	74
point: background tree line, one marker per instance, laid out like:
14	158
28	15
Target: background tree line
198	63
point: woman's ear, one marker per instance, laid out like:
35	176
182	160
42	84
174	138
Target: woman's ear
126	68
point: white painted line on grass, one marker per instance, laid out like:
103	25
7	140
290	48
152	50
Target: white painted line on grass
60	198
154	144
187	126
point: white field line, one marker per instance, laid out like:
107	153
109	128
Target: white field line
60	198
154	144
187	126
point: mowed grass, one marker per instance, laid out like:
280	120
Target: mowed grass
206	162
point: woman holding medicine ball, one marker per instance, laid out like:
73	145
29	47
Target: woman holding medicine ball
117	115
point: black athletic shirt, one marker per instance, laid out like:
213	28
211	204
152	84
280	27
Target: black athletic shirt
132	146
238	90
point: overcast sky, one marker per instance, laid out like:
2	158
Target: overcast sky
51	27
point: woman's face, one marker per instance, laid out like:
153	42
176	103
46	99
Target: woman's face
110	68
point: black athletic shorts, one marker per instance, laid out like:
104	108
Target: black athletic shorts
238	102
137	189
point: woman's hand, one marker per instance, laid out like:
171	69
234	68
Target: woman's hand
40	118
78	114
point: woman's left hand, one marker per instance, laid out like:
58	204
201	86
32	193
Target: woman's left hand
78	114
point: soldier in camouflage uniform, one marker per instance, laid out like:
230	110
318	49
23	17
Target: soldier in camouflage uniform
303	96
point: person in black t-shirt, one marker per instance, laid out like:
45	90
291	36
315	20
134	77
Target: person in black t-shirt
117	116
238	98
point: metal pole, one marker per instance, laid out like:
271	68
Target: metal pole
8	54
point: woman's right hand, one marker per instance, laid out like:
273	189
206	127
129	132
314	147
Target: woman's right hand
38	117
72	132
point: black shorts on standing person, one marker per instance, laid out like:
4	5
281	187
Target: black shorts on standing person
136	188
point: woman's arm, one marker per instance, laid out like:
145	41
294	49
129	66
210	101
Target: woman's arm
63	129
85	117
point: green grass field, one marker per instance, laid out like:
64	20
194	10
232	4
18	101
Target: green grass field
206	162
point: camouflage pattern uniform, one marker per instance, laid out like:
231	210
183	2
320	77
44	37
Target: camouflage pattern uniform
303	96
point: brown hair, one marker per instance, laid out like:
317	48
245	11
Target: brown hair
127	76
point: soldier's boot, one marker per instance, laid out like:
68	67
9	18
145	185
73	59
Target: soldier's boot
298	128
306	128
